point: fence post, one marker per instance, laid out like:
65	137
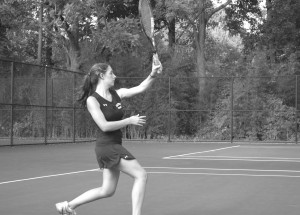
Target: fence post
51	104
12	104
169	119
74	122
296	110
46	108
231	111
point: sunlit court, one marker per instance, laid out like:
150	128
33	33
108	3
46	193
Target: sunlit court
183	178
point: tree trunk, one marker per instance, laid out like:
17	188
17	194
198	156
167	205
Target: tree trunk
200	35
40	41
171	32
48	41
73	58
73	49
48	51
270	44
3	42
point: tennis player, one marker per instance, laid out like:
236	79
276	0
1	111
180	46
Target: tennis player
104	105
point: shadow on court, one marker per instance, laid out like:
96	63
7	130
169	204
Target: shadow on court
184	178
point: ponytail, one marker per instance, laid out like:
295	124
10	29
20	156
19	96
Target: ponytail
90	82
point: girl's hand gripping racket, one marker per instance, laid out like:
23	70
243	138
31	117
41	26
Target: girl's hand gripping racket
147	22
156	66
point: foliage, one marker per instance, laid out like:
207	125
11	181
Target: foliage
260	112
79	33
283	32
120	36
16	37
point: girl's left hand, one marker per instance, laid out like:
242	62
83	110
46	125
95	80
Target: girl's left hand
156	65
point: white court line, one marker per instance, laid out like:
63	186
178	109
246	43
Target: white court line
271	147
218	169
47	176
232	159
213	150
267	158
220	174
171	168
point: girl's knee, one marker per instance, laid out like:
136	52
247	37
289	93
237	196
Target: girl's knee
142	175
108	192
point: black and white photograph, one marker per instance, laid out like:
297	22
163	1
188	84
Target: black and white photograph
143	107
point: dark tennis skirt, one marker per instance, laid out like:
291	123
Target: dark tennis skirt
109	156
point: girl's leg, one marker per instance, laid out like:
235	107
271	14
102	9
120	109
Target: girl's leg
109	185
134	169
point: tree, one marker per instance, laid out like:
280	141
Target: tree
194	17
16	18
70	19
281	29
79	23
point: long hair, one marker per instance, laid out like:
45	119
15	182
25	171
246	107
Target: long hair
90	82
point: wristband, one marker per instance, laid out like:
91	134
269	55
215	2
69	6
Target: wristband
152	76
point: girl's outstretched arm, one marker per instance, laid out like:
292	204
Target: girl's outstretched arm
146	84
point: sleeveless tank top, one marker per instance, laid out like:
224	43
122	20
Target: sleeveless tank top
112	111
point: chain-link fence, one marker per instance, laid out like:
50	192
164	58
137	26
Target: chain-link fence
38	106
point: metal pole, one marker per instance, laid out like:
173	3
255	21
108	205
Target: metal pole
296	109
199	106
169	120
11	105
74	122
51	119
46	108
231	110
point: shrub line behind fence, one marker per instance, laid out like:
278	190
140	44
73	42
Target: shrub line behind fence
41	109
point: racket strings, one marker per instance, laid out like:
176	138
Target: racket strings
146	17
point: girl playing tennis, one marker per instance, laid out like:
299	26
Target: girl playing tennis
104	105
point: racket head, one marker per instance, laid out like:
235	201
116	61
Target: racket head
147	20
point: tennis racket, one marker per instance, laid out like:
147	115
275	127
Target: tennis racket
147	23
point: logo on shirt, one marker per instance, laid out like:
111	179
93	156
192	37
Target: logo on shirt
118	105
105	105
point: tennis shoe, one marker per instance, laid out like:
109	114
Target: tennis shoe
64	208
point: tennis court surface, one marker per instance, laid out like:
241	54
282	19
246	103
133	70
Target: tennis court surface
184	178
